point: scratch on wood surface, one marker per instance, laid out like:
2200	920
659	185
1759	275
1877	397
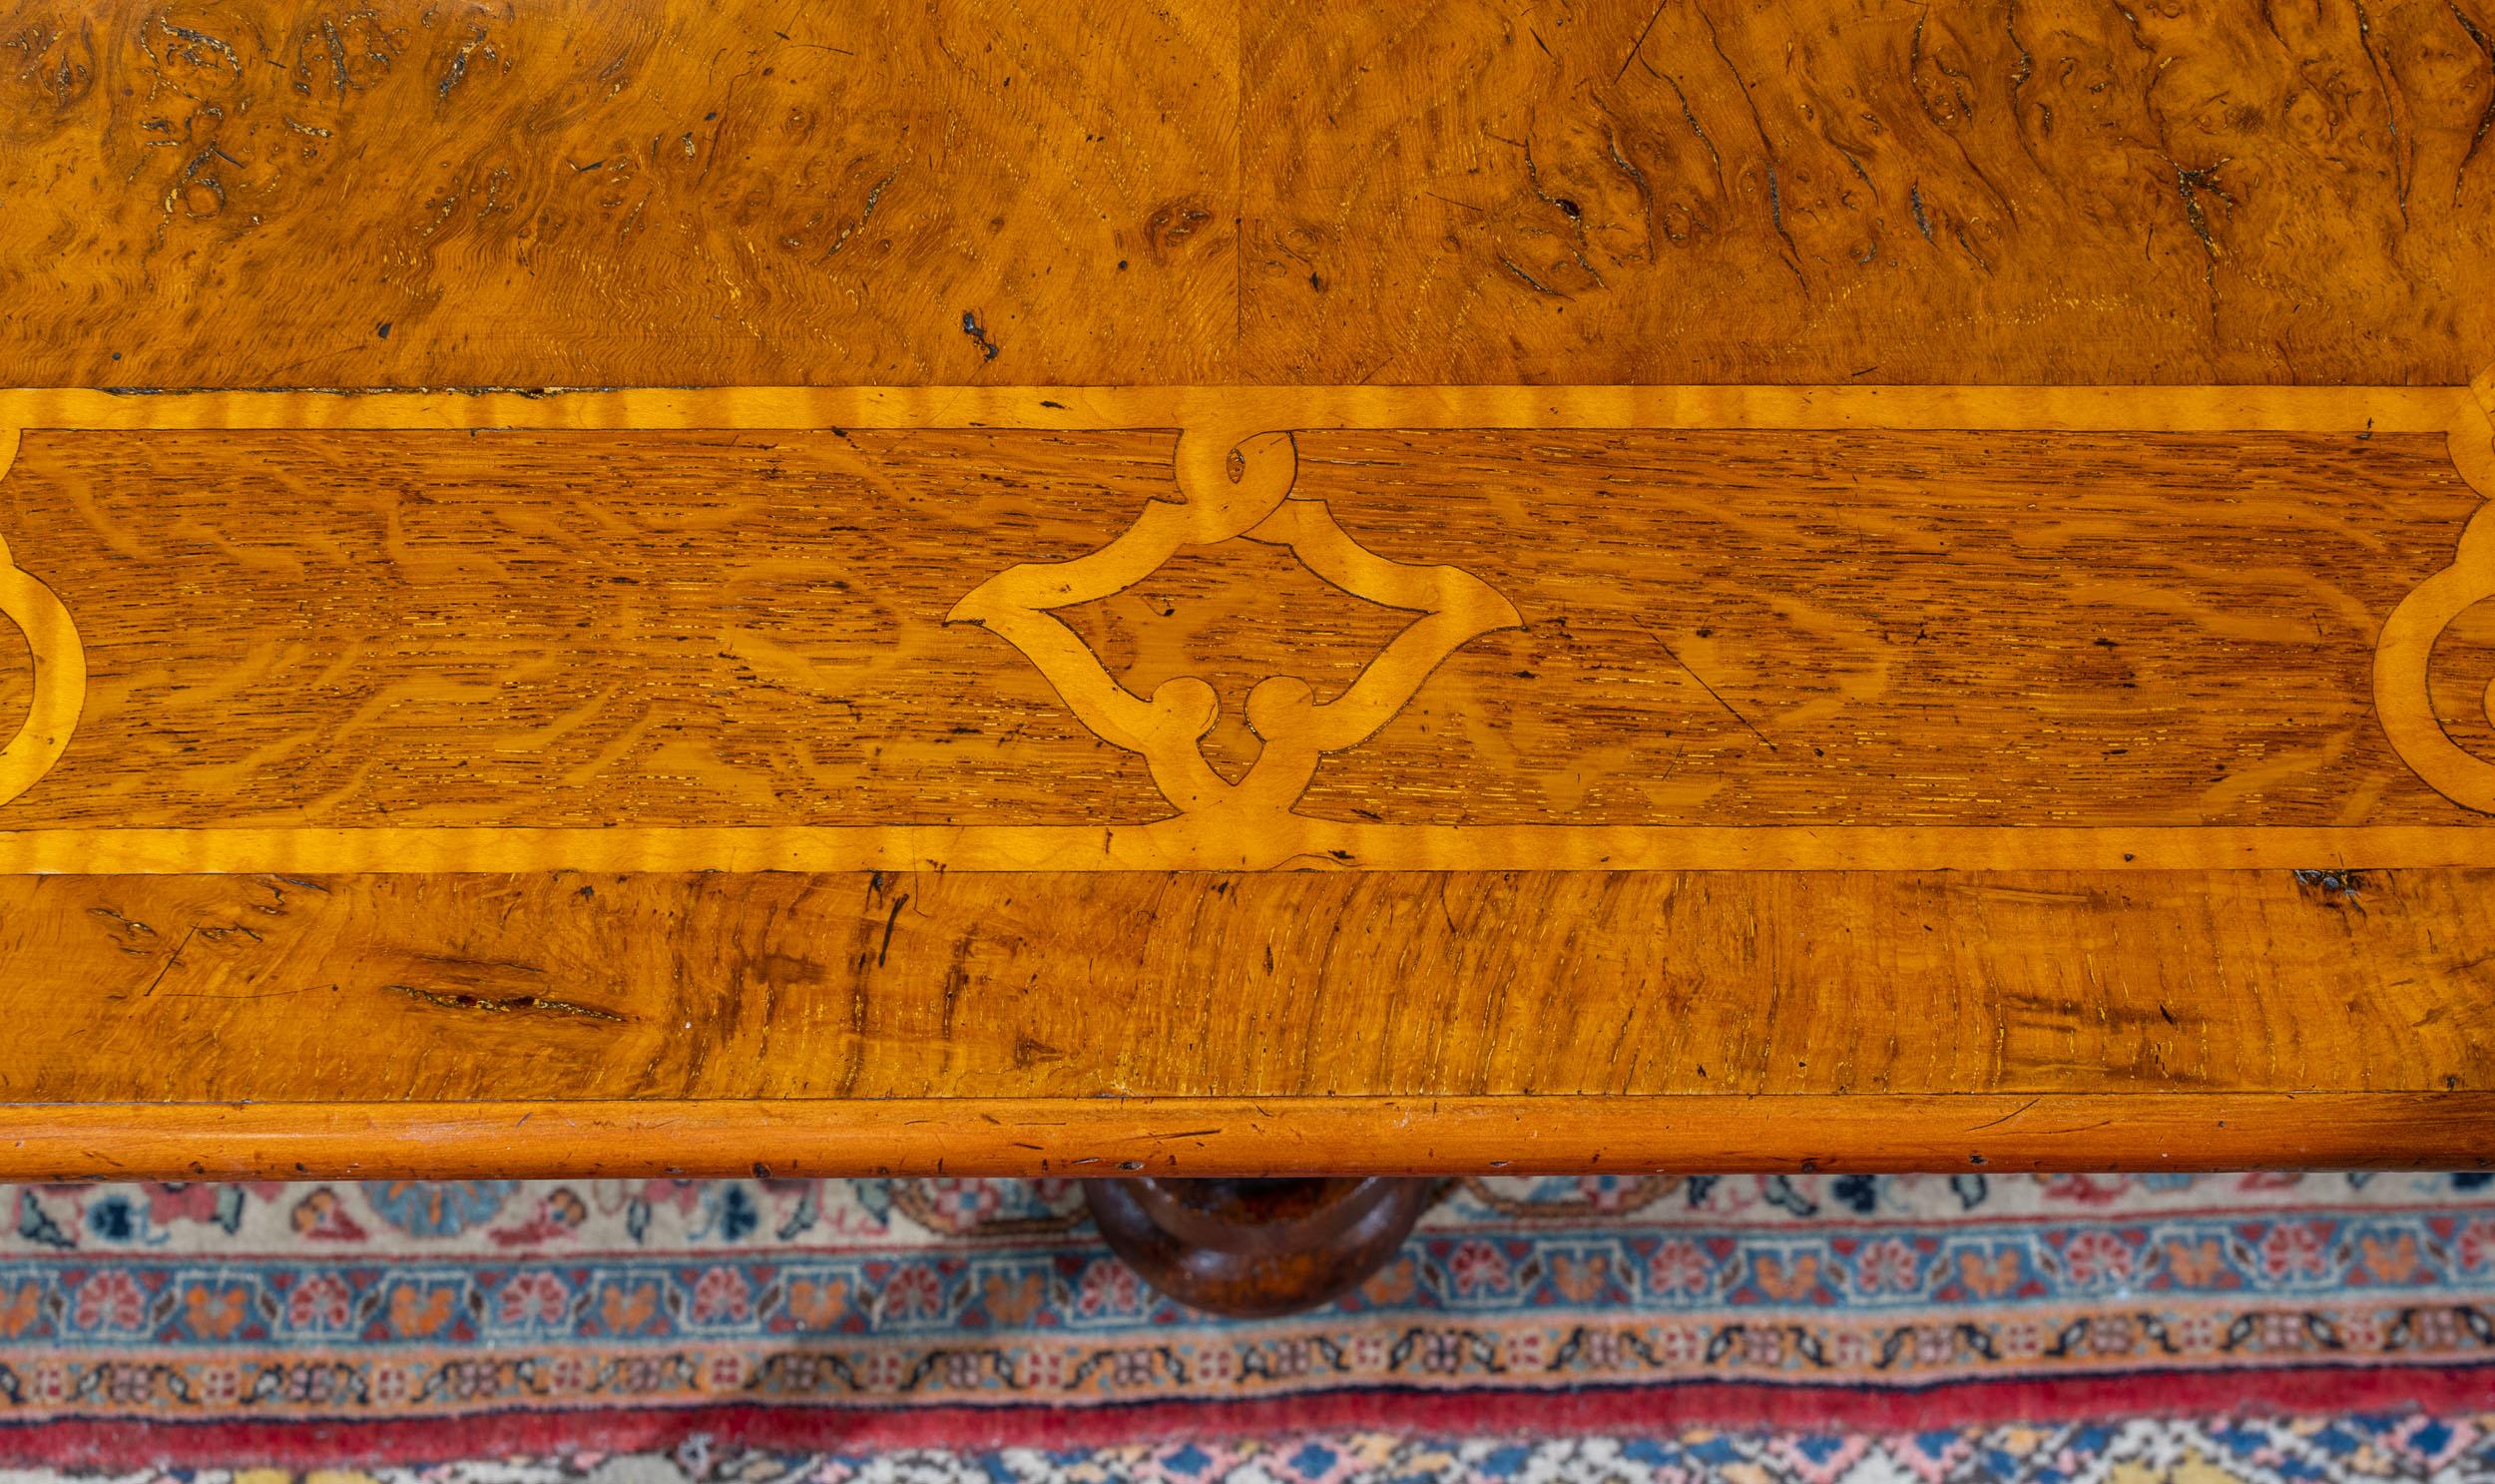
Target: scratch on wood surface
1711	692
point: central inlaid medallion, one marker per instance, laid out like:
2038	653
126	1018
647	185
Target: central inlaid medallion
1242	492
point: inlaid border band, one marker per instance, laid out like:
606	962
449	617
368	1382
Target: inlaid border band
1255	830
1243	411
1213	843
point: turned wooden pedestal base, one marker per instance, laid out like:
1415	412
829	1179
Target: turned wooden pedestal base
1256	1247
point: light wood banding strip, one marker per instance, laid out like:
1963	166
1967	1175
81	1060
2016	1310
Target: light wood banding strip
1844	624
1241	409
1290	845
716	653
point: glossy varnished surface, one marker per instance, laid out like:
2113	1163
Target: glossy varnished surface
1976	771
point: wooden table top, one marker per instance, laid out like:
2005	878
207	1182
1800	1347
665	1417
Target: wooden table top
1195	588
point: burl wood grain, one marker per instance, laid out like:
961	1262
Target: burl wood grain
636	192
1949	645
1882	191
531	627
652	192
1911	964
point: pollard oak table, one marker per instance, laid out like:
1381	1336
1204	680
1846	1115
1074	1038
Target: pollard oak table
1200	589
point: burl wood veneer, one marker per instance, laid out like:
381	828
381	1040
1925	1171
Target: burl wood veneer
1212	590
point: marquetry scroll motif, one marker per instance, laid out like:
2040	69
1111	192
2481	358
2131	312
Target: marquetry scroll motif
1236	487
59	681
2404	656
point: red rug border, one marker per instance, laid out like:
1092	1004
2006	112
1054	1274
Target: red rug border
125	1443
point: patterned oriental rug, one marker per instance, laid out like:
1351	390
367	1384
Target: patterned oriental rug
1751	1330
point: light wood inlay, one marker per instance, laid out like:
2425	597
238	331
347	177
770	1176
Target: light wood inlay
1991	516
54	680
2217	574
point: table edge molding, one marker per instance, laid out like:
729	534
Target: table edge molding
1993	1132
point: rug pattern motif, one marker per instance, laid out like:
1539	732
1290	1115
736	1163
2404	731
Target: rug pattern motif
430	1300
2358	1449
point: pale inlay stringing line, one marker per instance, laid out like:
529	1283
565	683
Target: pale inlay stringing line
1233	474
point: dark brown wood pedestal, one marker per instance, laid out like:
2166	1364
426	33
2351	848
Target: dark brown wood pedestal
1256	1247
